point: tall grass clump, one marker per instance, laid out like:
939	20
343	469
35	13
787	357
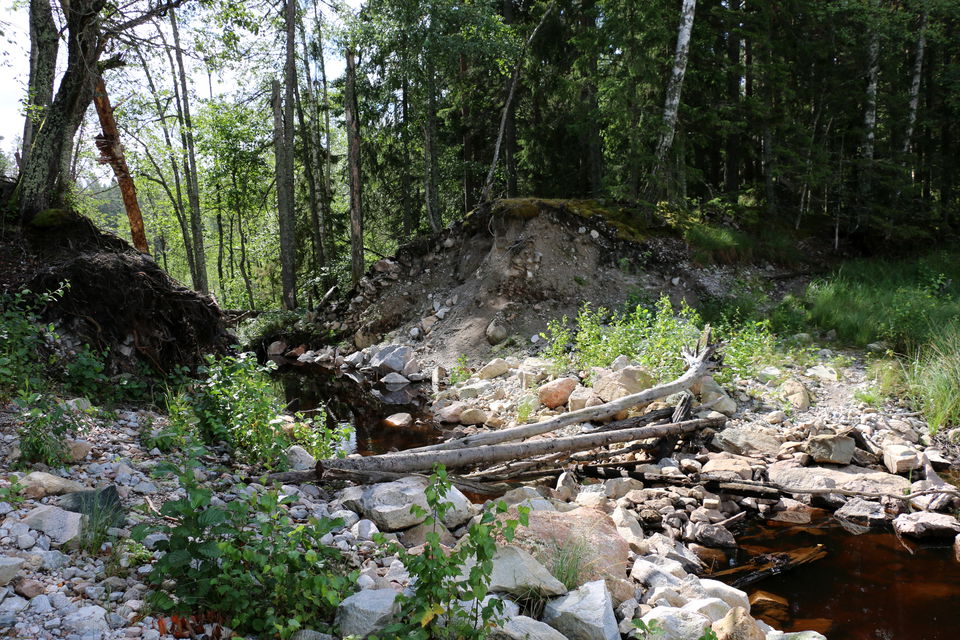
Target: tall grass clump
903	303
933	380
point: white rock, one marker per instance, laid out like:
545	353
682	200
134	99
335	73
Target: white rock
677	624
87	619
493	369
366	612
461	511
517	572
388	503
924	524
731	595
713	608
584	614
62	526
900	458
299	459
524	628
9	567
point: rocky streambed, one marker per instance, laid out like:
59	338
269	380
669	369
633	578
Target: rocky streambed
644	548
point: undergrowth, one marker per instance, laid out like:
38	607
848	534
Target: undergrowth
933	379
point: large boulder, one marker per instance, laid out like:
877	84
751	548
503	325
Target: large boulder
87	621
493	369
924	524
366	612
737	624
393	358
584	614
624	382
299	459
748	440
388	503
62	526
524	628
556	392
585	535
9	567
789	474
796	394
518	573
677	624
713	394
831	448
40	484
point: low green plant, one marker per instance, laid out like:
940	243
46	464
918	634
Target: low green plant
11	494
225	558
460	371
525	408
84	374
647	630
449	587
870	396
44	424
567	562
321	436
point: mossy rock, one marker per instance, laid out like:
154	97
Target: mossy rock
50	218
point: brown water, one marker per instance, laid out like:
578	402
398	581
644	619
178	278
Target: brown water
364	406
869	587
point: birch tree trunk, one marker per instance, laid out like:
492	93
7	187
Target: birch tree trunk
915	81
675	86
353	162
869	124
430	180
190	163
43	58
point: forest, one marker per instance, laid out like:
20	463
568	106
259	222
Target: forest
329	134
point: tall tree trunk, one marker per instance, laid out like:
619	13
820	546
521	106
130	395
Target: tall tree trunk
869	124
675	86
43	59
327	153
176	196
469	143
430	170
510	131
43	180
353	163
915	81
409	215
111	152
731	164
285	178
190	168
311	159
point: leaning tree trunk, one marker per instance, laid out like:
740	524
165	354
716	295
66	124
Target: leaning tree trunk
111	152
44	179
671	105
43	58
353	162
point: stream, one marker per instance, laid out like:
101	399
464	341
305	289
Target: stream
870	586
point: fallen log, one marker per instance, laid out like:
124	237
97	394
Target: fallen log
699	364
422	461
371	477
769	564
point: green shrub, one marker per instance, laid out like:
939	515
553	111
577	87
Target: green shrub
446	603
234	403
22	338
460	371
44	425
710	244
247	561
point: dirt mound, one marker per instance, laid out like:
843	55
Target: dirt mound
117	299
502	273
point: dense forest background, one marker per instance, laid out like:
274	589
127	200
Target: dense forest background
325	134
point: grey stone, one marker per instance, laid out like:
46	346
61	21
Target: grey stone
299	459
747	440
831	448
87	619
62	526
517	572
677	624
495	333
13	604
924	524
366	612
900	458
493	369
310	634
388	503
652	575
862	512
39	484
394	379
584	614
391	359
524	628
790	475
9	567
460	511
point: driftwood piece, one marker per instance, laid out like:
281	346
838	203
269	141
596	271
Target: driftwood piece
366	477
699	363
420	461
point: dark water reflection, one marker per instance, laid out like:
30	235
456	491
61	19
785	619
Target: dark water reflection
869	587
352	399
